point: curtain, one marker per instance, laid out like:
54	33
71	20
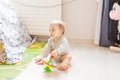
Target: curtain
107	25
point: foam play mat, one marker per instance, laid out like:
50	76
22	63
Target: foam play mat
9	72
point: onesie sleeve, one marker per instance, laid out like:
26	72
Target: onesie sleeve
62	49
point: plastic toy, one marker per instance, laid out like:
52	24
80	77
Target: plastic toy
115	15
49	64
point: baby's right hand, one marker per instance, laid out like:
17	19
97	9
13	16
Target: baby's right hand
38	61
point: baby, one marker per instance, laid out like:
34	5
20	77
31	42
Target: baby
57	45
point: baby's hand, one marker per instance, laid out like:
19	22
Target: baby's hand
38	61
54	53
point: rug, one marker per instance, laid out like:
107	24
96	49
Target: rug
9	72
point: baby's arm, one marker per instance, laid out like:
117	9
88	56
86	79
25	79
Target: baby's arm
44	53
46	49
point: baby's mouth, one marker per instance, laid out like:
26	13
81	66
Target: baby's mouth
51	35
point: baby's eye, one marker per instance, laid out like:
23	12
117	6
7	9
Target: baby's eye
51	30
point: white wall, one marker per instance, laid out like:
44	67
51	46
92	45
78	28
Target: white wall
80	18
36	15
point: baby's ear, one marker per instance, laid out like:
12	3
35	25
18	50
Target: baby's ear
62	32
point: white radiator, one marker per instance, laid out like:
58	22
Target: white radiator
37	14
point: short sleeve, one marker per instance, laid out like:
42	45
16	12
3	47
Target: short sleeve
63	48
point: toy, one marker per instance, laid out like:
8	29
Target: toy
115	15
49	64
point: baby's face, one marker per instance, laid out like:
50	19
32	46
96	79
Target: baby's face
55	31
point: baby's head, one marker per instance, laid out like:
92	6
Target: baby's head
57	29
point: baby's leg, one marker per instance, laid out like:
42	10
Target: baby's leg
66	60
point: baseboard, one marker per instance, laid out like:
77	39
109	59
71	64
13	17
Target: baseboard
40	37
88	41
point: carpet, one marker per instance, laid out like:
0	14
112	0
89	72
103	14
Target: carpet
9	72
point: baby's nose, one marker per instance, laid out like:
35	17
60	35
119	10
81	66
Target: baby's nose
50	32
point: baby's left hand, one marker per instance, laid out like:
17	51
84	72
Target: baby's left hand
54	53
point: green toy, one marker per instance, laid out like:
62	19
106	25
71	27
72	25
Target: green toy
48	64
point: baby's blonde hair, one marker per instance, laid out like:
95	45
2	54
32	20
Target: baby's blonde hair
60	23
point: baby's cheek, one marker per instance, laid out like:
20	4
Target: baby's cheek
57	33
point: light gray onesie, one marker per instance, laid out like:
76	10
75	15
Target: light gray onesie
61	47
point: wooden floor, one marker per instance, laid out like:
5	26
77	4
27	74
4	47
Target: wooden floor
89	62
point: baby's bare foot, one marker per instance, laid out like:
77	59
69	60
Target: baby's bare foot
63	67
